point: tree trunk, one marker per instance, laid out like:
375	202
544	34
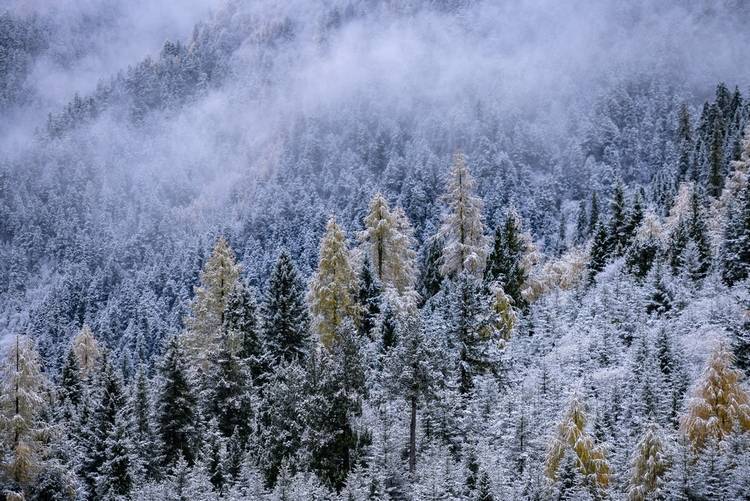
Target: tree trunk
413	435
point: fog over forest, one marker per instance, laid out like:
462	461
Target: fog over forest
374	249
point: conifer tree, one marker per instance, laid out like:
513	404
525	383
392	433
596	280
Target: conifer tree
685	144
431	278
618	221
217	281
697	233
71	388
368	298
462	228
594	213
582	224
735	254
21	402
649	467
175	408
646	245
231	403
506	262
333	289
572	436
719	404
87	350
242	329
715	174
141	427
600	252
410	368
284	313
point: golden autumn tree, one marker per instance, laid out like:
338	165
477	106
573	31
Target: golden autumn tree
718	404
21	400
572	435
218	279
86	350
650	463
333	287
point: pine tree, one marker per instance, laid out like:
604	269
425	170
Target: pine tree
572	436
506	262
368	298
141	428
205	324
698	235
715	175
719	404
333	289
87	350
593	213
431	278
685	144
462	228
735	255
600	252
582	224
231	403
334	402
175	408
242	330
618	221
71	388
285	319
410	370
646	245
21	402
649	466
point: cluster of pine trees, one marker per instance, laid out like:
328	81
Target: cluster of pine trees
392	374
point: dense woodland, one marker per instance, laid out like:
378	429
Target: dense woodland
372	296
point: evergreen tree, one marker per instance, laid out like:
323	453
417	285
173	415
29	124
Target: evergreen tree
735	255
368	298
71	388
432	279
685	144
600	252
176	408
141	428
462	228
593	213
231	403
582	224
333	288
505	264
646	245
715	175
87	350
285	319
242	330
698	234
618	229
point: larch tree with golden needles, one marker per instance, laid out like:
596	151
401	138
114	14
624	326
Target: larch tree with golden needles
332	294
86	350
650	464
218	279
21	400
572	435
719	404
462	228
388	240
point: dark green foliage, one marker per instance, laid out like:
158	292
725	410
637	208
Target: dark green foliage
176	408
593	213
735	255
431	278
618	223
504	264
715	174
284	313
368	298
70	380
600	251
241	323
582	224
231	403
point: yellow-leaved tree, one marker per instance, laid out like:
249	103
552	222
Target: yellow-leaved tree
572	435
649	465
218	279
86	350
719	404
334	286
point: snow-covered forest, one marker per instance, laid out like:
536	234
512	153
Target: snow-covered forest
374	249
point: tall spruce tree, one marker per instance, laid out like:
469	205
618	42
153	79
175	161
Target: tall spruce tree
735	253
368	298
176	412
286	324
242	330
505	264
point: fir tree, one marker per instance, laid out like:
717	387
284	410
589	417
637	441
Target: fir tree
685	144
593	213
735	255
71	387
582	224
176	408
715	175
285	319
432	279
368	298
242	330
505	264
618	221
600	252
231	404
